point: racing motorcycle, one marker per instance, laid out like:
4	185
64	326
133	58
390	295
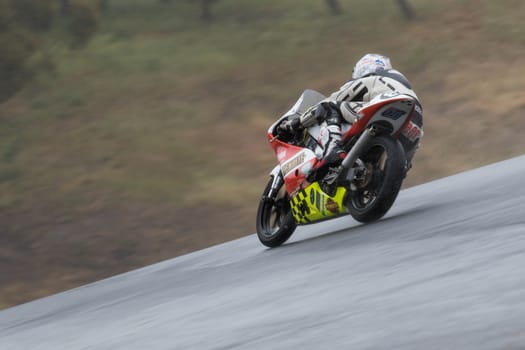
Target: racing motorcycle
365	184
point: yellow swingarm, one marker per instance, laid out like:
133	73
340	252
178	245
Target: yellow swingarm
312	204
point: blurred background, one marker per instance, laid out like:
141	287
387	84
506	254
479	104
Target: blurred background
133	131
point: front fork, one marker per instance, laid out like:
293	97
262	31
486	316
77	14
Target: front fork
277	182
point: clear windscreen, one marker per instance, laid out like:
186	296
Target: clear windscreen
307	99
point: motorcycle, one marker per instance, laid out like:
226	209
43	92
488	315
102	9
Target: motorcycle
365	184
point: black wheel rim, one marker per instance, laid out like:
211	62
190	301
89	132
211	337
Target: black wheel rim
366	193
274	212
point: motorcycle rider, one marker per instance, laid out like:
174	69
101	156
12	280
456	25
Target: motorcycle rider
373	75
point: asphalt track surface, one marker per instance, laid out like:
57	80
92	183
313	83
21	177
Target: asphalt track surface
443	270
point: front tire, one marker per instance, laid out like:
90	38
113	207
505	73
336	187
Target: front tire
275	222
374	194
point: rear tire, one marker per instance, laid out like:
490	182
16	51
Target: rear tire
372	197
275	222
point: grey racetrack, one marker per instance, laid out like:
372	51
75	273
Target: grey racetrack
444	269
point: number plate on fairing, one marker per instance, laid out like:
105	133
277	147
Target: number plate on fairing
412	132
394	113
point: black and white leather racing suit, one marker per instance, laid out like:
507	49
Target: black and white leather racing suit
349	99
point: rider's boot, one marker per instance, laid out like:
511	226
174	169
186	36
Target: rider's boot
331	141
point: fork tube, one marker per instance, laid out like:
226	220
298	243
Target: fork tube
276	184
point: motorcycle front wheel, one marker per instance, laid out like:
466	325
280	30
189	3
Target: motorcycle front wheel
275	222
372	195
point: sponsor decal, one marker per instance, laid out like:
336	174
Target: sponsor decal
293	163
380	63
412	132
388	95
393	113
332	206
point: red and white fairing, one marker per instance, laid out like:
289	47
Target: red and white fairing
295	162
393	109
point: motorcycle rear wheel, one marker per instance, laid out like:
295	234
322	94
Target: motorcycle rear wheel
370	198
275	222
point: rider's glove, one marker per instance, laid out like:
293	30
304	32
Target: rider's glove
291	126
324	111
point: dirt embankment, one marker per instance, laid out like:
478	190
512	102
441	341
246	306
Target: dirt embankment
473	108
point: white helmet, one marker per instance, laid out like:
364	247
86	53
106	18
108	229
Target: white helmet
369	64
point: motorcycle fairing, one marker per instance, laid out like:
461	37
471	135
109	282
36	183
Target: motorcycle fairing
390	108
394	109
296	162
312	204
